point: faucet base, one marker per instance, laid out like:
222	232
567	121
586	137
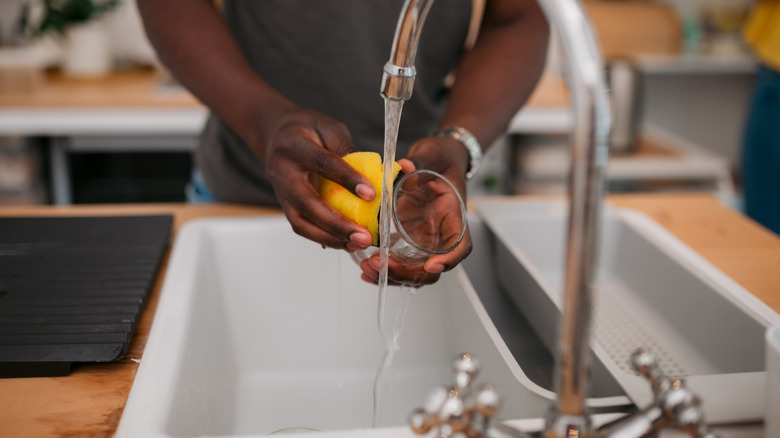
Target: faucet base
561	425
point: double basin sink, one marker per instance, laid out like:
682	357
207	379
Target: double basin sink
259	331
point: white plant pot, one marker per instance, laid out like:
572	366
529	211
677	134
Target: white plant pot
87	51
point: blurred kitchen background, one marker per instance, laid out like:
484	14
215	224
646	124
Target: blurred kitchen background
87	115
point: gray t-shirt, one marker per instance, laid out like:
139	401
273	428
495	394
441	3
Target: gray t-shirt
328	56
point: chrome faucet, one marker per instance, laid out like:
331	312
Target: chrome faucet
592	119
589	156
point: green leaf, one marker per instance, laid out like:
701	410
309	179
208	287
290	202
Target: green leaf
59	14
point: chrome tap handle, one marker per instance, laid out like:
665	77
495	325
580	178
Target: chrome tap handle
674	405
682	409
465	369
456	410
445	407
645	363
487	401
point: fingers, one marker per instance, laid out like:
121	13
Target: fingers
336	139
313	219
339	171
397	274
316	144
407	166
453	224
307	147
451	259
369	274
416	275
335	136
446	262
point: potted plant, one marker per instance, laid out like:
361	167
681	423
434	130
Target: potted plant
86	49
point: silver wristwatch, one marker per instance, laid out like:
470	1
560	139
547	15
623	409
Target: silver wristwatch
468	140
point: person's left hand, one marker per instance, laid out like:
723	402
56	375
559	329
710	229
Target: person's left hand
449	158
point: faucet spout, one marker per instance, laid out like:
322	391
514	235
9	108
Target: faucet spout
399	72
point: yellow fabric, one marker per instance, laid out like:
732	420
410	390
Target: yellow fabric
762	32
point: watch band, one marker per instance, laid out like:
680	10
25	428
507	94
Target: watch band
468	140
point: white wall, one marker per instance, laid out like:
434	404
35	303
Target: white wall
708	109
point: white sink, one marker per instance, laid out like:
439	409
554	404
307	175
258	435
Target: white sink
651	291
258	330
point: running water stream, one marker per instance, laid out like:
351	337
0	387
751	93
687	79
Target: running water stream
389	319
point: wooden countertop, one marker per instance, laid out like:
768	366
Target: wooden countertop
89	402
138	88
132	102
740	247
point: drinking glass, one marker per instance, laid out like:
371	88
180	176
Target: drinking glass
428	217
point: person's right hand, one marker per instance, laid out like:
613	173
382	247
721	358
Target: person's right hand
302	146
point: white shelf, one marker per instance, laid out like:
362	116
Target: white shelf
542	120
101	121
697	64
544	166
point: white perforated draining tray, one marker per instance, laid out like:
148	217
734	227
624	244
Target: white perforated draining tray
651	291
619	332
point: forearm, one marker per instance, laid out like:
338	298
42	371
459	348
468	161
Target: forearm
498	75
193	42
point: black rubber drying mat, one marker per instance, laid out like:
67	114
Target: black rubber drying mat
72	288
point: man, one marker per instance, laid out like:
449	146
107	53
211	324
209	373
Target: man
293	86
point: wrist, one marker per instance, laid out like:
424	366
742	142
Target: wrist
467	140
263	119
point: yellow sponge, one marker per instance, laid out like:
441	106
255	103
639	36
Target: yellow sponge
364	213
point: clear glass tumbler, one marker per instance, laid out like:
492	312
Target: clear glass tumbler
428	217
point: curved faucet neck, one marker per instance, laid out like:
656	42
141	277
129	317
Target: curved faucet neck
399	71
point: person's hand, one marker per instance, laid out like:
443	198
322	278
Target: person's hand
303	145
449	158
